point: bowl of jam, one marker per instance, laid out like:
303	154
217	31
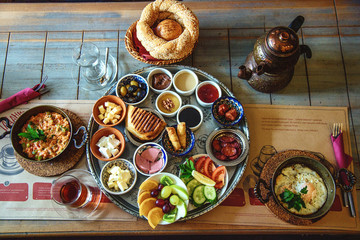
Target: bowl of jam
191	115
160	80
207	92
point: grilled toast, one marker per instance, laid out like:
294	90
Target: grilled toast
143	124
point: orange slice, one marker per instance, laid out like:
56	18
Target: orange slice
148	185
146	206
144	195
155	216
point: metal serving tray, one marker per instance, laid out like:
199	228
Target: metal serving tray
128	201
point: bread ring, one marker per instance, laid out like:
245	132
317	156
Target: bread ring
158	47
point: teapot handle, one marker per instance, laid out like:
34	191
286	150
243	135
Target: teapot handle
297	23
306	49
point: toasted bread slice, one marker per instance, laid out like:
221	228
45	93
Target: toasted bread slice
143	124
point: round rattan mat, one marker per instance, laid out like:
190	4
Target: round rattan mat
267	174
64	162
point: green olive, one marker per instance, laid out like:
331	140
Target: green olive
134	83
136	92
127	86
123	91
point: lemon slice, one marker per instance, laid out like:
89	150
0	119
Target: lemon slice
202	178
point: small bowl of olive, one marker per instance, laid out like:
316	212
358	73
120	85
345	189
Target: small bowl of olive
132	89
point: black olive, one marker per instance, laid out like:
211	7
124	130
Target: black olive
142	86
132	88
131	99
141	94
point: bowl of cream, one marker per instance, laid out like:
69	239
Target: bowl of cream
185	82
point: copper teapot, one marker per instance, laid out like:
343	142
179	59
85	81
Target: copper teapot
270	66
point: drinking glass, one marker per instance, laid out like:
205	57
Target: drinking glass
75	194
94	73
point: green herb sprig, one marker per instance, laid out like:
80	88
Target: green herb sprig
186	168
33	134
294	200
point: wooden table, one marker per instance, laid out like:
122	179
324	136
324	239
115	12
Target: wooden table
37	40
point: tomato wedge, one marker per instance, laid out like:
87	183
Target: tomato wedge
199	165
209	167
219	176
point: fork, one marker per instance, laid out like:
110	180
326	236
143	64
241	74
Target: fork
41	84
336	130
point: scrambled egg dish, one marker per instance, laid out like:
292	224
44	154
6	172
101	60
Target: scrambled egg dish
297	177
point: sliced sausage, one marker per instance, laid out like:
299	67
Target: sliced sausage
216	145
228	151
220	156
227	139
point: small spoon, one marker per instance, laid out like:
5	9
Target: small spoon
104	78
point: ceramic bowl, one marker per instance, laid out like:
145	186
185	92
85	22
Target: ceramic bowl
132	96
106	132
200	88
141	162
190	142
232	103
156	71
240	144
163	96
185	82
124	165
101	102
191	109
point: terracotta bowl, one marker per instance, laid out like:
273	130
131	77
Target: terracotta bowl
106	132
101	101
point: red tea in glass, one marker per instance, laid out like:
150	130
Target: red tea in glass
74	193
68	190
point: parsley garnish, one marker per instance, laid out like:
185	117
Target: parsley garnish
33	134
186	168
294	200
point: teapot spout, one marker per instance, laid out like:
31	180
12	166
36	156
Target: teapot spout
244	72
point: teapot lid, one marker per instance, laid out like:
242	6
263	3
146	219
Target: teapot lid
282	41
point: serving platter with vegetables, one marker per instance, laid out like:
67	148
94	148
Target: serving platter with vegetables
128	202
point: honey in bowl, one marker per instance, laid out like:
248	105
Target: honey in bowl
208	93
168	103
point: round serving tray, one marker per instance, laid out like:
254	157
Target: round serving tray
128	202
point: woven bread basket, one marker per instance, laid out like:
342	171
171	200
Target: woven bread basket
129	44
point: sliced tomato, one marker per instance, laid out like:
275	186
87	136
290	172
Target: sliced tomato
219	176
209	167
199	165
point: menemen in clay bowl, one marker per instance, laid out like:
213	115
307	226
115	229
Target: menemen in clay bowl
166	32
47	142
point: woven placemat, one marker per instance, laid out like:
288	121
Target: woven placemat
267	174
64	162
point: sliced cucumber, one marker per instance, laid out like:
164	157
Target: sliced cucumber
192	185
210	194
198	196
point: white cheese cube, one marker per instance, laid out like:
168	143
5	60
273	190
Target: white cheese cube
101	117
102	109
116	116
102	142
122	185
114	143
106	120
114	151
112	136
105	152
115	170
112	184
113	121
117	110
126	175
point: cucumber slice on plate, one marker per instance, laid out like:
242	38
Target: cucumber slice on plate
198	196
191	185
210	194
